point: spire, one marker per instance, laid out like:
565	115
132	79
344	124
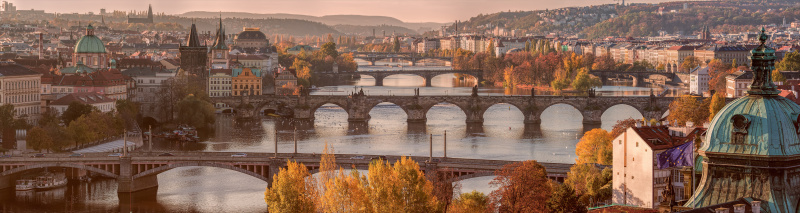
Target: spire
150	12
103	20
219	43
763	62
193	40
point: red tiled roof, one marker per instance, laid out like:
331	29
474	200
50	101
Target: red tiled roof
662	137
84	98
223	71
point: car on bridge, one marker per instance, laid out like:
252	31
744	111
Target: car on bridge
76	155
5	156
360	157
166	154
239	155
38	155
115	155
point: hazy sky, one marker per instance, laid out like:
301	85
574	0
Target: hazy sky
405	10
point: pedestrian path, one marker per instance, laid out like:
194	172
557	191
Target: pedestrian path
113	146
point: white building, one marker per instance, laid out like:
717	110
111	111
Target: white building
219	83
98	101
637	180
698	80
20	86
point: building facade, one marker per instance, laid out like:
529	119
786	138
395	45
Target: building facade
698	81
194	60
246	81
219	83
20	86
90	51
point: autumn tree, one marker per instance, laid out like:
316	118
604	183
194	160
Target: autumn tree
595	147
195	112
717	103
564	200
6	125
590	183
74	111
790	62
689	63
688	108
346	193
604	62
292	190
329	49
522	187
402	187
472	202
777	76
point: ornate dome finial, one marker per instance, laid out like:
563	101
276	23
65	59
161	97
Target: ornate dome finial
763	37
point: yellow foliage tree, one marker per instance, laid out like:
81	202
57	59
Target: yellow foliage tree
292	190
473	202
595	147
345	193
400	188
717	103
689	108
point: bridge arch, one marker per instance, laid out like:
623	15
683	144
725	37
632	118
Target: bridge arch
372	106
67	165
522	109
537	114
164	168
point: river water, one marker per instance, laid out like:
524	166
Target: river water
503	136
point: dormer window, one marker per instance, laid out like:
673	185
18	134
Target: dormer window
740	124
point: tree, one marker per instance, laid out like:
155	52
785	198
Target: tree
777	76
790	62
604	62
291	190
195	112
74	111
522	187
473	202
689	63
38	139
590	183
622	126
345	193
128	109
689	108
595	147
80	131
6	125
583	82
329	49
717	103
396	45
490	49
401	188
564	200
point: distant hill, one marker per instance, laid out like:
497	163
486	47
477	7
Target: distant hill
355	20
379	30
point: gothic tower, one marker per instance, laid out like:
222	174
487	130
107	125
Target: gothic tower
194	59
150	13
218	57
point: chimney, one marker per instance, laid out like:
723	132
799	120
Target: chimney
638	124
41	47
689	124
721	210
738	208
755	206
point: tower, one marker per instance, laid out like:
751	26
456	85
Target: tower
194	59
219	50
749	150
150	13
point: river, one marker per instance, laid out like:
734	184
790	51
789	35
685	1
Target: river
203	189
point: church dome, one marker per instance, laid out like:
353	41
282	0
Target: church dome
252	34
90	43
755	125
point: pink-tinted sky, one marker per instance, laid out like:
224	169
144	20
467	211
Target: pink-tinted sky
405	10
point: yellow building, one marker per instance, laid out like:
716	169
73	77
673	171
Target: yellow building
246	81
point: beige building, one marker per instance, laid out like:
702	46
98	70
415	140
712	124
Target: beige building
637	180
21	87
737	84
251	38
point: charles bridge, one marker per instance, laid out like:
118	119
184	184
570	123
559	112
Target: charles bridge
428	75
358	106
139	170
412	58
639	77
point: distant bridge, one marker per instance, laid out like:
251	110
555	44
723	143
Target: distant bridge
139	171
416	107
638	77
413	58
428	75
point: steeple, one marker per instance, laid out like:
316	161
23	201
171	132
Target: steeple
193	40
763	62
90	30
150	12
219	42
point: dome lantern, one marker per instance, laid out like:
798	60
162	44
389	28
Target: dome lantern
763	62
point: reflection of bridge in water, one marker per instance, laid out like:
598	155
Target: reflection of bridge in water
639	77
139	171
357	106
428	75
412	58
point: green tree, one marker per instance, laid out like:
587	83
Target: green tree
81	132
396	45
6	125
128	109
490	49
717	103
583	82
74	111
195	112
292	190
564	200
38	139
777	76
790	62
473	202
329	49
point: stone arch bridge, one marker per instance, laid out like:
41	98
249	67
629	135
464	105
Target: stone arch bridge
638	77
139	171
428	75
416	107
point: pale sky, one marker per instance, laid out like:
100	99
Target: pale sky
405	10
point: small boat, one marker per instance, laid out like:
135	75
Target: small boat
273	115
51	181
25	185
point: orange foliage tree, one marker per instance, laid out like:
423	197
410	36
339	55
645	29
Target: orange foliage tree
595	147
523	187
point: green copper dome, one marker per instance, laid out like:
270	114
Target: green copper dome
90	43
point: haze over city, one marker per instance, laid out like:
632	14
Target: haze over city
407	10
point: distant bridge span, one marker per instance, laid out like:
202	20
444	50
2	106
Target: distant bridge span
428	75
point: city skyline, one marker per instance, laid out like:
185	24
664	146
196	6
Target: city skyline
436	11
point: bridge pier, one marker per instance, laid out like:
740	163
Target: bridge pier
428	80
7	181
125	181
592	117
379	81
